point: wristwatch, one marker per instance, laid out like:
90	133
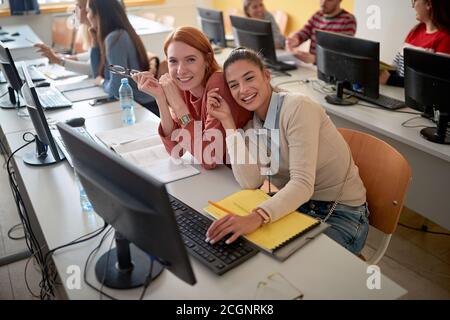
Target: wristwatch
185	119
264	215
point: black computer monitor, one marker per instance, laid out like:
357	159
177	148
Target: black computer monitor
350	63
213	26
137	206
257	35
427	89
11	75
43	137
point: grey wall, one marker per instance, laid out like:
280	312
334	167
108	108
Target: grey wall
397	17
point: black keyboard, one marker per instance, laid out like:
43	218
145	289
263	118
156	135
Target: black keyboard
382	101
219	257
280	65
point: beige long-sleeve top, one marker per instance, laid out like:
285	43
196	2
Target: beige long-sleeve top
313	158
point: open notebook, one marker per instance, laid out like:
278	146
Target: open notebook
275	236
139	146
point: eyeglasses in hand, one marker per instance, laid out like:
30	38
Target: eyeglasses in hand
122	71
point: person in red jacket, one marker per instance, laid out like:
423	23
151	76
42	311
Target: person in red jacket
432	34
181	95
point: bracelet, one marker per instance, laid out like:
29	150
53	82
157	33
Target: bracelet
263	215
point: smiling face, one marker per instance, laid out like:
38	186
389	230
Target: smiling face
249	86
256	9
187	66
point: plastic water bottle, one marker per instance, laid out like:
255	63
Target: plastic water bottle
126	102
86	204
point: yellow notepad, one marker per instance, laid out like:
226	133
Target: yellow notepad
270	236
387	67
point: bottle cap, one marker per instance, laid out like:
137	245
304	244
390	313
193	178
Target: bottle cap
124	80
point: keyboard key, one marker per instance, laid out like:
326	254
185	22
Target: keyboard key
219	257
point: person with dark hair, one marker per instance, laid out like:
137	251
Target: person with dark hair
432	34
310	162
116	43
331	17
186	124
255	9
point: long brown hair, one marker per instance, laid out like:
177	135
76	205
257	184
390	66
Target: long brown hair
196	39
111	16
440	14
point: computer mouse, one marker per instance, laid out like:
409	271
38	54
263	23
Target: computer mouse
15	34
76	122
42	84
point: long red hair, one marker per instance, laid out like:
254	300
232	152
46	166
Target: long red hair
196	39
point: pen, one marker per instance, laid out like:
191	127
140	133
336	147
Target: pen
218	206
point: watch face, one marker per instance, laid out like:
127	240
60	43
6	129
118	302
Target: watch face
185	119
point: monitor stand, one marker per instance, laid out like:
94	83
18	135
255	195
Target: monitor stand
125	266
9	101
42	156
438	134
339	99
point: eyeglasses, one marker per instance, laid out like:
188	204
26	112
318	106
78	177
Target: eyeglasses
122	71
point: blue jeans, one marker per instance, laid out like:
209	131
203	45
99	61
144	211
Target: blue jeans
349	226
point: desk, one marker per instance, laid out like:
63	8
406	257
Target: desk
428	193
152	33
22	46
322	269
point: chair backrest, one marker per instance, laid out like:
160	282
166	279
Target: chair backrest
63	33
386	175
281	18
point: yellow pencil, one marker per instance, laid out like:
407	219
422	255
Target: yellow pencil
218	206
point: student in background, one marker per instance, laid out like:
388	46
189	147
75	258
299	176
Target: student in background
331	17
432	34
181	97
116	43
315	167
79	62
255	9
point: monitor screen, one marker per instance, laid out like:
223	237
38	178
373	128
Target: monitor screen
254	34
43	137
213	26
427	87
134	203
348	62
9	68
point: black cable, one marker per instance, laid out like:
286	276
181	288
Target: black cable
30	239
425	231
148	280
413	118
12	229
87	262
301	82
105	271
381	108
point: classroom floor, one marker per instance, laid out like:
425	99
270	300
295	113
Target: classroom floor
417	261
